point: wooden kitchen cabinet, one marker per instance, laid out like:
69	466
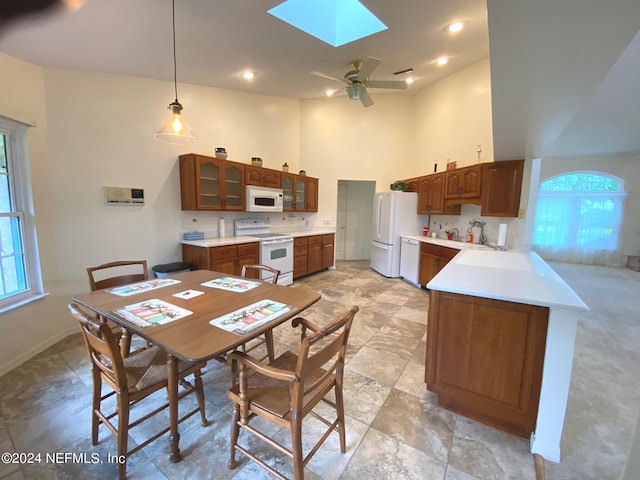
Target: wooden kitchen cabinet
312	254
327	250
300	193
225	258
501	188
431	196
314	249
263	177
300	257
312	194
433	258
207	183
413	184
485	359
464	183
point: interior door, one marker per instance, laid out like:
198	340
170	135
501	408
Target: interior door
341	221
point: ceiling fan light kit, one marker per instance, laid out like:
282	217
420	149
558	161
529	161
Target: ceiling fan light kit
357	80
175	130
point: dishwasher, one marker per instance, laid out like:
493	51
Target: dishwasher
410	260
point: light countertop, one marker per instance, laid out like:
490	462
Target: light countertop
447	243
521	277
219	242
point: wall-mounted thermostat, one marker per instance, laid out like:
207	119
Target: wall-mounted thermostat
123	196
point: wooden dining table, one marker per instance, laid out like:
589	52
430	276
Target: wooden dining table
192	338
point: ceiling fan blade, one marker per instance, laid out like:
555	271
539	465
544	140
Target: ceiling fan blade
366	100
320	74
367	68
395	84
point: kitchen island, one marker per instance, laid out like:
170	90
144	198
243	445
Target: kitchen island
500	342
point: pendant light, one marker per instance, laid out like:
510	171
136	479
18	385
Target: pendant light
175	130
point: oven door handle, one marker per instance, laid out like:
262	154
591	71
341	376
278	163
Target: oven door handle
280	240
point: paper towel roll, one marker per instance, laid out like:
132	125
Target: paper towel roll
477	233
221	227
502	235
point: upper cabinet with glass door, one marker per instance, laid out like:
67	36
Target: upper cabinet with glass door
207	183
300	193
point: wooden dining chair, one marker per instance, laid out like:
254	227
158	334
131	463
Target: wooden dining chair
287	389
131	379
115	274
254	271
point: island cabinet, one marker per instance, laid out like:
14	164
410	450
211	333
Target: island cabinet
501	188
433	258
207	183
263	177
225	258
431	195
464	183
485	359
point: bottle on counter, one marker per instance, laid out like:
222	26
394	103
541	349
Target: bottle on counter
469	238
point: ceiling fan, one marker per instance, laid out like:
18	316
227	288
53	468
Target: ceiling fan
357	80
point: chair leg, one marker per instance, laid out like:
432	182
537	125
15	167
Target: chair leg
296	444
95	403
123	433
235	431
268	335
200	394
340	414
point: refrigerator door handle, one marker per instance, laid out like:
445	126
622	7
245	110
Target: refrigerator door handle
379	215
381	246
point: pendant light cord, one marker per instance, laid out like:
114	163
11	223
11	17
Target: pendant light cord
175	68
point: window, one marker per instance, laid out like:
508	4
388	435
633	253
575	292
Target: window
578	218
20	279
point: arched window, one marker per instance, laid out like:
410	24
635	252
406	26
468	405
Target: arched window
578	218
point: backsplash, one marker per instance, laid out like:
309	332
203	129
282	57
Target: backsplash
515	226
208	222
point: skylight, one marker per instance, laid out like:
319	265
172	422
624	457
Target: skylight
335	22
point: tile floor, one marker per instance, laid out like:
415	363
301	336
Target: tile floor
394	428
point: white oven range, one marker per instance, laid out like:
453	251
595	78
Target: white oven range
276	249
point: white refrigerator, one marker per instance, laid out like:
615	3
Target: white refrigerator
394	214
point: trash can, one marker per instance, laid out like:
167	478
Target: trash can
171	269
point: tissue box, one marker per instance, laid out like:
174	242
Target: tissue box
193	236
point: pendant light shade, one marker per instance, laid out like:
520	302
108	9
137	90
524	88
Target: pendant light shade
175	130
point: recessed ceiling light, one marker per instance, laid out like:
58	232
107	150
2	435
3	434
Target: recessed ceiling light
455	27
410	80
330	92
442	60
248	75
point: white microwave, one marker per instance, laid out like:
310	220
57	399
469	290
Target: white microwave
264	199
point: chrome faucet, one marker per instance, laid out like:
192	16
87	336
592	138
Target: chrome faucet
478	223
455	233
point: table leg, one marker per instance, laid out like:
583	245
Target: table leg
172	387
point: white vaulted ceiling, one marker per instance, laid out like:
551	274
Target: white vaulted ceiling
565	74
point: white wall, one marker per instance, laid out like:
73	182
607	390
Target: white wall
453	117
342	140
29	329
95	130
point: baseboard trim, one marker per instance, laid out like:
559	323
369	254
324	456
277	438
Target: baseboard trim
39	348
